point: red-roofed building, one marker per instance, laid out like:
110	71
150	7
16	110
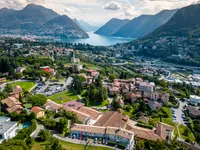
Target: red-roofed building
39	112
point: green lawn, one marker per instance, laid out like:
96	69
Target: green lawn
69	146
28	106
26	85
168	120
63	97
104	103
90	66
190	136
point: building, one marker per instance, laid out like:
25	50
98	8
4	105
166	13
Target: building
17	90
194	100
163	97
146	87
161	132
154	105
111	134
20	69
2	80
39	112
193	112
52	106
8	129
112	119
48	69
11	104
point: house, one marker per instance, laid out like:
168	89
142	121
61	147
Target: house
154	105
194	100
133	96
112	134
16	91
48	69
2	80
11	104
163	97
8	129
193	112
50	105
113	90
145	87
73	104
39	112
20	69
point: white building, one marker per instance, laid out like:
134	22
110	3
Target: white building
111	134
194	99
8	129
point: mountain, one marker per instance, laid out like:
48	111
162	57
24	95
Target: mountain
32	20
76	21
186	22
144	24
87	27
63	26
112	26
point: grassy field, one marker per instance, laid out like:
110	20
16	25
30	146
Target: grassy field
190	136
63	97
168	120
104	103
69	146
26	85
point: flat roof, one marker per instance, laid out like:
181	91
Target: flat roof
5	126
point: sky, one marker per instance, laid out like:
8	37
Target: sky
98	12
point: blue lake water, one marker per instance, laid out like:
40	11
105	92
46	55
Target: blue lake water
98	40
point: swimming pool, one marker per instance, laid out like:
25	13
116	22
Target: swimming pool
26	125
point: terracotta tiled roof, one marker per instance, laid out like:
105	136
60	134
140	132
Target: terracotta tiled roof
91	112
143	133
161	129
103	130
112	119
36	110
52	105
73	104
11	101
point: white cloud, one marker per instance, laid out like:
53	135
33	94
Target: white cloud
92	12
113	5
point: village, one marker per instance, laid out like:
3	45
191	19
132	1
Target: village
101	109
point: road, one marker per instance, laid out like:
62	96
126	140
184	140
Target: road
37	131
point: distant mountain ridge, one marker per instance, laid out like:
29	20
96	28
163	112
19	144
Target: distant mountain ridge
139	26
186	22
33	19
112	26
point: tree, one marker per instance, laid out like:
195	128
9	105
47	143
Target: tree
29	142
8	88
78	84
38	100
32	116
44	135
86	101
186	131
62	125
53	145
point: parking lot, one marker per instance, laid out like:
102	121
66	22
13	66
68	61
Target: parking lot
48	89
178	114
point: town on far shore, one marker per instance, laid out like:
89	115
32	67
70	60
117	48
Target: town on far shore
74	96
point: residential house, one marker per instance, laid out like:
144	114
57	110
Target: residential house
163	97
193	112
165	131
2	80
20	69
48	69
133	96
154	105
50	105
8	129
39	112
17	90
146	87
11	104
